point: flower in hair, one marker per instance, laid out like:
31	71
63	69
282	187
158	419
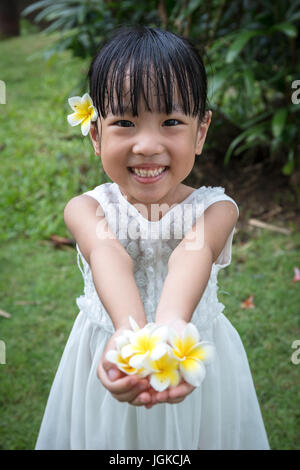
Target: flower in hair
84	112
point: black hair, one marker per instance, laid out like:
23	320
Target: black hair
153	58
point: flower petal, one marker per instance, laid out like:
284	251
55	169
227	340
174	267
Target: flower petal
192	371
159	381
175	340
121	341
86	99
160	334
142	372
174	378
74	119
158	351
128	350
85	126
127	369
133	324
138	360
178	354
190	337
149	365
112	356
203	351
94	113
74	101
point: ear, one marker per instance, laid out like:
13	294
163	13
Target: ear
95	137
201	132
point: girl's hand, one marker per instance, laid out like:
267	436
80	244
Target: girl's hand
124	388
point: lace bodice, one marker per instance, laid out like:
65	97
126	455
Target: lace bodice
150	245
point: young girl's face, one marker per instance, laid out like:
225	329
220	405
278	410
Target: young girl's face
133	146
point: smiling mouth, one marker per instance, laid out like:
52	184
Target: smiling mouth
148	172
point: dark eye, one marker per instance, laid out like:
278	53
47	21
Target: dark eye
172	122
123	123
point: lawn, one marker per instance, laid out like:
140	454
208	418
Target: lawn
44	163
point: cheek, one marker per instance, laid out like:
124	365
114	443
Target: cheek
182	149
114	147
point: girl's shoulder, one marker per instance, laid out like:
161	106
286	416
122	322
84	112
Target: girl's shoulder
213	194
208	195
100	193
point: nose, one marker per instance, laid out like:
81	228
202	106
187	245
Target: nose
148	143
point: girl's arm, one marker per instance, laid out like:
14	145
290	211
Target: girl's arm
112	271
111	265
190	264
188	273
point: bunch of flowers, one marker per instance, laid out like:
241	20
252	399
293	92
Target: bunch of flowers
162	354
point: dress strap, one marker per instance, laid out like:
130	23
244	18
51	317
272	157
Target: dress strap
212	195
101	193
78	261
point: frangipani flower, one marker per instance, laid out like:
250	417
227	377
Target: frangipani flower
165	372
191	354
84	113
114	356
145	343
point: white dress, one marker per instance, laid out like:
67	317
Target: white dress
223	413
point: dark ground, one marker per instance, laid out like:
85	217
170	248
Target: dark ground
260	189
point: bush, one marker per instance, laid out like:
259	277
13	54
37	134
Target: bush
251	50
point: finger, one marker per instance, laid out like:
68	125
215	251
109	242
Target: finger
162	396
131	395
142	399
148	406
120	385
108	368
114	374
174	401
181	391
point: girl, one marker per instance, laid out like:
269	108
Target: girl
151	248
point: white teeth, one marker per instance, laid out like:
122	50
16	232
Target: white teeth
147	173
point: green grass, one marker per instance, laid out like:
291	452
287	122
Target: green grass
44	163
265	269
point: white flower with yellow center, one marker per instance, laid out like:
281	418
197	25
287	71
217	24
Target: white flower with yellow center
84	112
165	372
114	356
191	353
148	343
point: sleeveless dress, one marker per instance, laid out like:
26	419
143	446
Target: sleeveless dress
223	413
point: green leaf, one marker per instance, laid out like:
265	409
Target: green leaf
35	6
287	169
217	79
239	43
278	121
249	81
253	131
189	9
287	28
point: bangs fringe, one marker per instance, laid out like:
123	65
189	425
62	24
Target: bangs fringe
141	63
